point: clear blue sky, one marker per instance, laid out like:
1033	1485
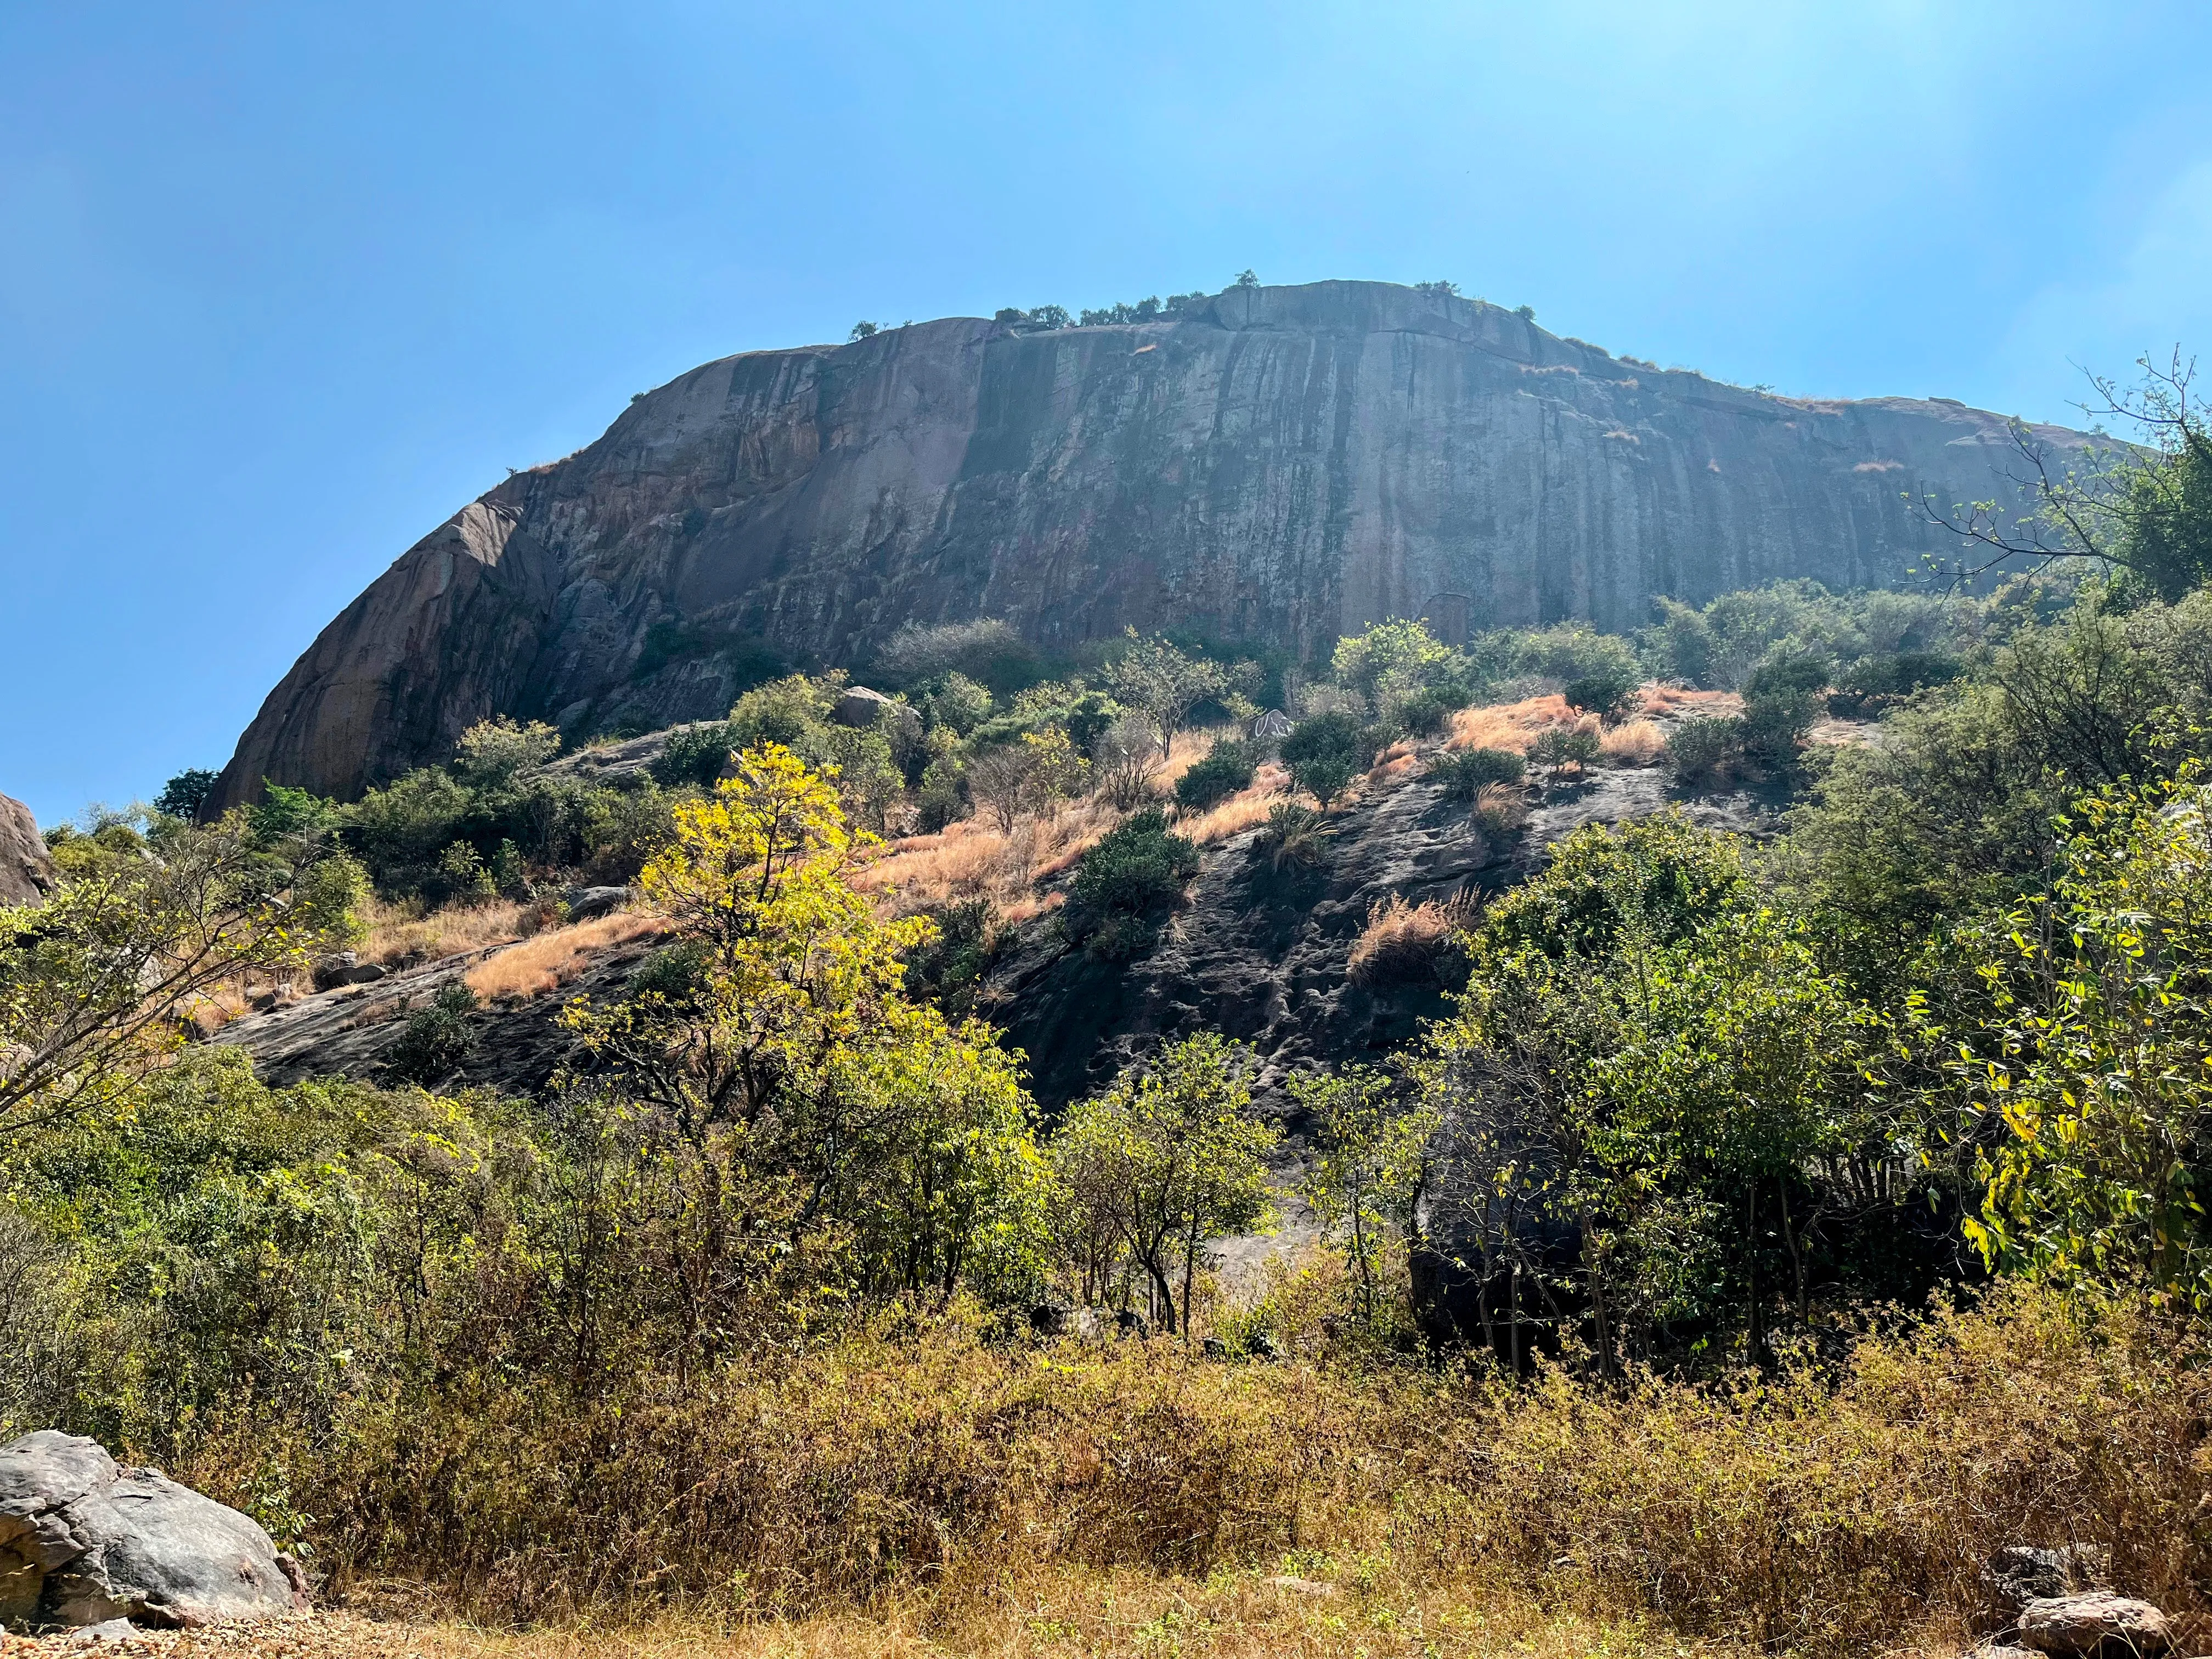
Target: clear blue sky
281	286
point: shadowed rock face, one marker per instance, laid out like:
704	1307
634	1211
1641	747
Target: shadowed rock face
1283	464
26	873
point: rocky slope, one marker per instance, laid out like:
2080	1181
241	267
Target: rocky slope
1281	463
1258	954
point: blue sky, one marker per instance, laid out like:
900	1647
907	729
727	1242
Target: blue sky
281	286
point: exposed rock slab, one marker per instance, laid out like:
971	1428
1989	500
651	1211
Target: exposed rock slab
1281	465
84	1542
27	871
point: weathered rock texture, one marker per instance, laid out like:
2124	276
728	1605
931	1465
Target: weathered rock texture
1281	464
26	873
83	1541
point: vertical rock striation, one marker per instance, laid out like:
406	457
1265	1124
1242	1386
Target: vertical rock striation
1282	464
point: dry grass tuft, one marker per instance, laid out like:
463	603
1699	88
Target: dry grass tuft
402	935
1634	743
1508	725
548	961
1501	808
1670	700
1248	809
1402	941
971	860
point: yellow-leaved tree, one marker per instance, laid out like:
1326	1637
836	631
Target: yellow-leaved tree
808	1100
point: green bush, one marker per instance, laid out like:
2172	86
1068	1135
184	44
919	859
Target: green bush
1465	775
1701	750
1140	869
1563	745
1228	768
437	1039
1325	753
696	756
1608	692
1780	701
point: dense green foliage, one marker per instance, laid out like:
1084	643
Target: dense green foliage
1124	885
1228	767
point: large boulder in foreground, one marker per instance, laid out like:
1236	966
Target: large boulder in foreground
2095	1626
83	1540
26	873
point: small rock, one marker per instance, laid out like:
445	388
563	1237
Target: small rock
1215	1348
366	973
1128	1323
2099	1623
1302	1586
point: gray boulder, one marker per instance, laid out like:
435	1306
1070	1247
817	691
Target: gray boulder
2096	1626
589	903
2020	1573
27	871
84	1542
860	706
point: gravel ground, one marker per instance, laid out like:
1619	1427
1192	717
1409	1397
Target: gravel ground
317	1636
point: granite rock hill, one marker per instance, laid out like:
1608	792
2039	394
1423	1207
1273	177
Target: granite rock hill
1279	465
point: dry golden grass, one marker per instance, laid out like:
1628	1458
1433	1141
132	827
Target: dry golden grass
1633	743
546	961
972	859
1508	725
1680	700
1501	807
400	935
1264	1612
936	1486
1401	940
1248	809
1190	748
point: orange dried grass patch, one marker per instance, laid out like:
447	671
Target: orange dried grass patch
970	859
548	961
1635	743
1401	940
1680	700
1508	725
1246	809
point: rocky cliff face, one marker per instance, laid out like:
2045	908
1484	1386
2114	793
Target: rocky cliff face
1283	464
26	873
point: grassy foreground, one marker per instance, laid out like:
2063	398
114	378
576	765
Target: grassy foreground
933	1492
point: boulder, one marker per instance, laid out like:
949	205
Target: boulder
589	903
2095	1626
85	1542
860	706
1056	1319
26	870
1272	726
2020	1573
